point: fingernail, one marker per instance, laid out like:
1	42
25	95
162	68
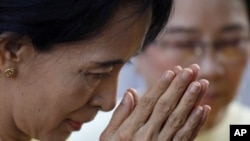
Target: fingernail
199	110
126	98
206	81
196	86
169	74
177	69
187	73
208	107
196	66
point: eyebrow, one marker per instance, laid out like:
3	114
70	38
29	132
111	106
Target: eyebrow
109	63
232	27
178	29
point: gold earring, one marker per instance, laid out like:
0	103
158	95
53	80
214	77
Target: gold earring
9	72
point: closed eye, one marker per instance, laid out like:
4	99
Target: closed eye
100	75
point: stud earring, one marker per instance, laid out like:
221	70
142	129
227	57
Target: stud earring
9	72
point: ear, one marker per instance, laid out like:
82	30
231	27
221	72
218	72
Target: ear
13	49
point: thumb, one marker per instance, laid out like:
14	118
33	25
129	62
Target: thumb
120	115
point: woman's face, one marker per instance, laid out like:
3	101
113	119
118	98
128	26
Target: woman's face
206	32
57	91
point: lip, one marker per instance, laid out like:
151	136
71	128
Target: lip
74	124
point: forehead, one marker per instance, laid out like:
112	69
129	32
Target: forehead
125	32
121	39
208	14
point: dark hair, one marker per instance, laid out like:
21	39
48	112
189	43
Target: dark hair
247	4
48	22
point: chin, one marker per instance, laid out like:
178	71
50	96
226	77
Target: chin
58	136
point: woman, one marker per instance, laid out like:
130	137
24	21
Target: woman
214	34
59	67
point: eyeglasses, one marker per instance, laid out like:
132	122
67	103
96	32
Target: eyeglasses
226	50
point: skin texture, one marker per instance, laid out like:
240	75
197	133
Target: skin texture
158	115
54	90
71	82
208	21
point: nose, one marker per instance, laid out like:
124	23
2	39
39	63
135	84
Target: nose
105	95
211	68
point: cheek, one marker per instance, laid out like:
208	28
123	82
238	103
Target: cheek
233	78
74	92
60	95
64	96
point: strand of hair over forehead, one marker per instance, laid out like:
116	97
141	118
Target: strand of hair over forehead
247	3
49	22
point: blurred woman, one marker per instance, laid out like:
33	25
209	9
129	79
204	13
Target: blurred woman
214	34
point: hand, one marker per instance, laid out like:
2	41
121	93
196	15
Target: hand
169	111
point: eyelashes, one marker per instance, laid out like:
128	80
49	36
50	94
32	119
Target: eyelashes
99	76
102	75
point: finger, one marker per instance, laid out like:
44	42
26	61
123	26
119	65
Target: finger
205	84
190	99
206	112
191	125
169	99
196	69
120	114
180	114
135	95
146	104
177	69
